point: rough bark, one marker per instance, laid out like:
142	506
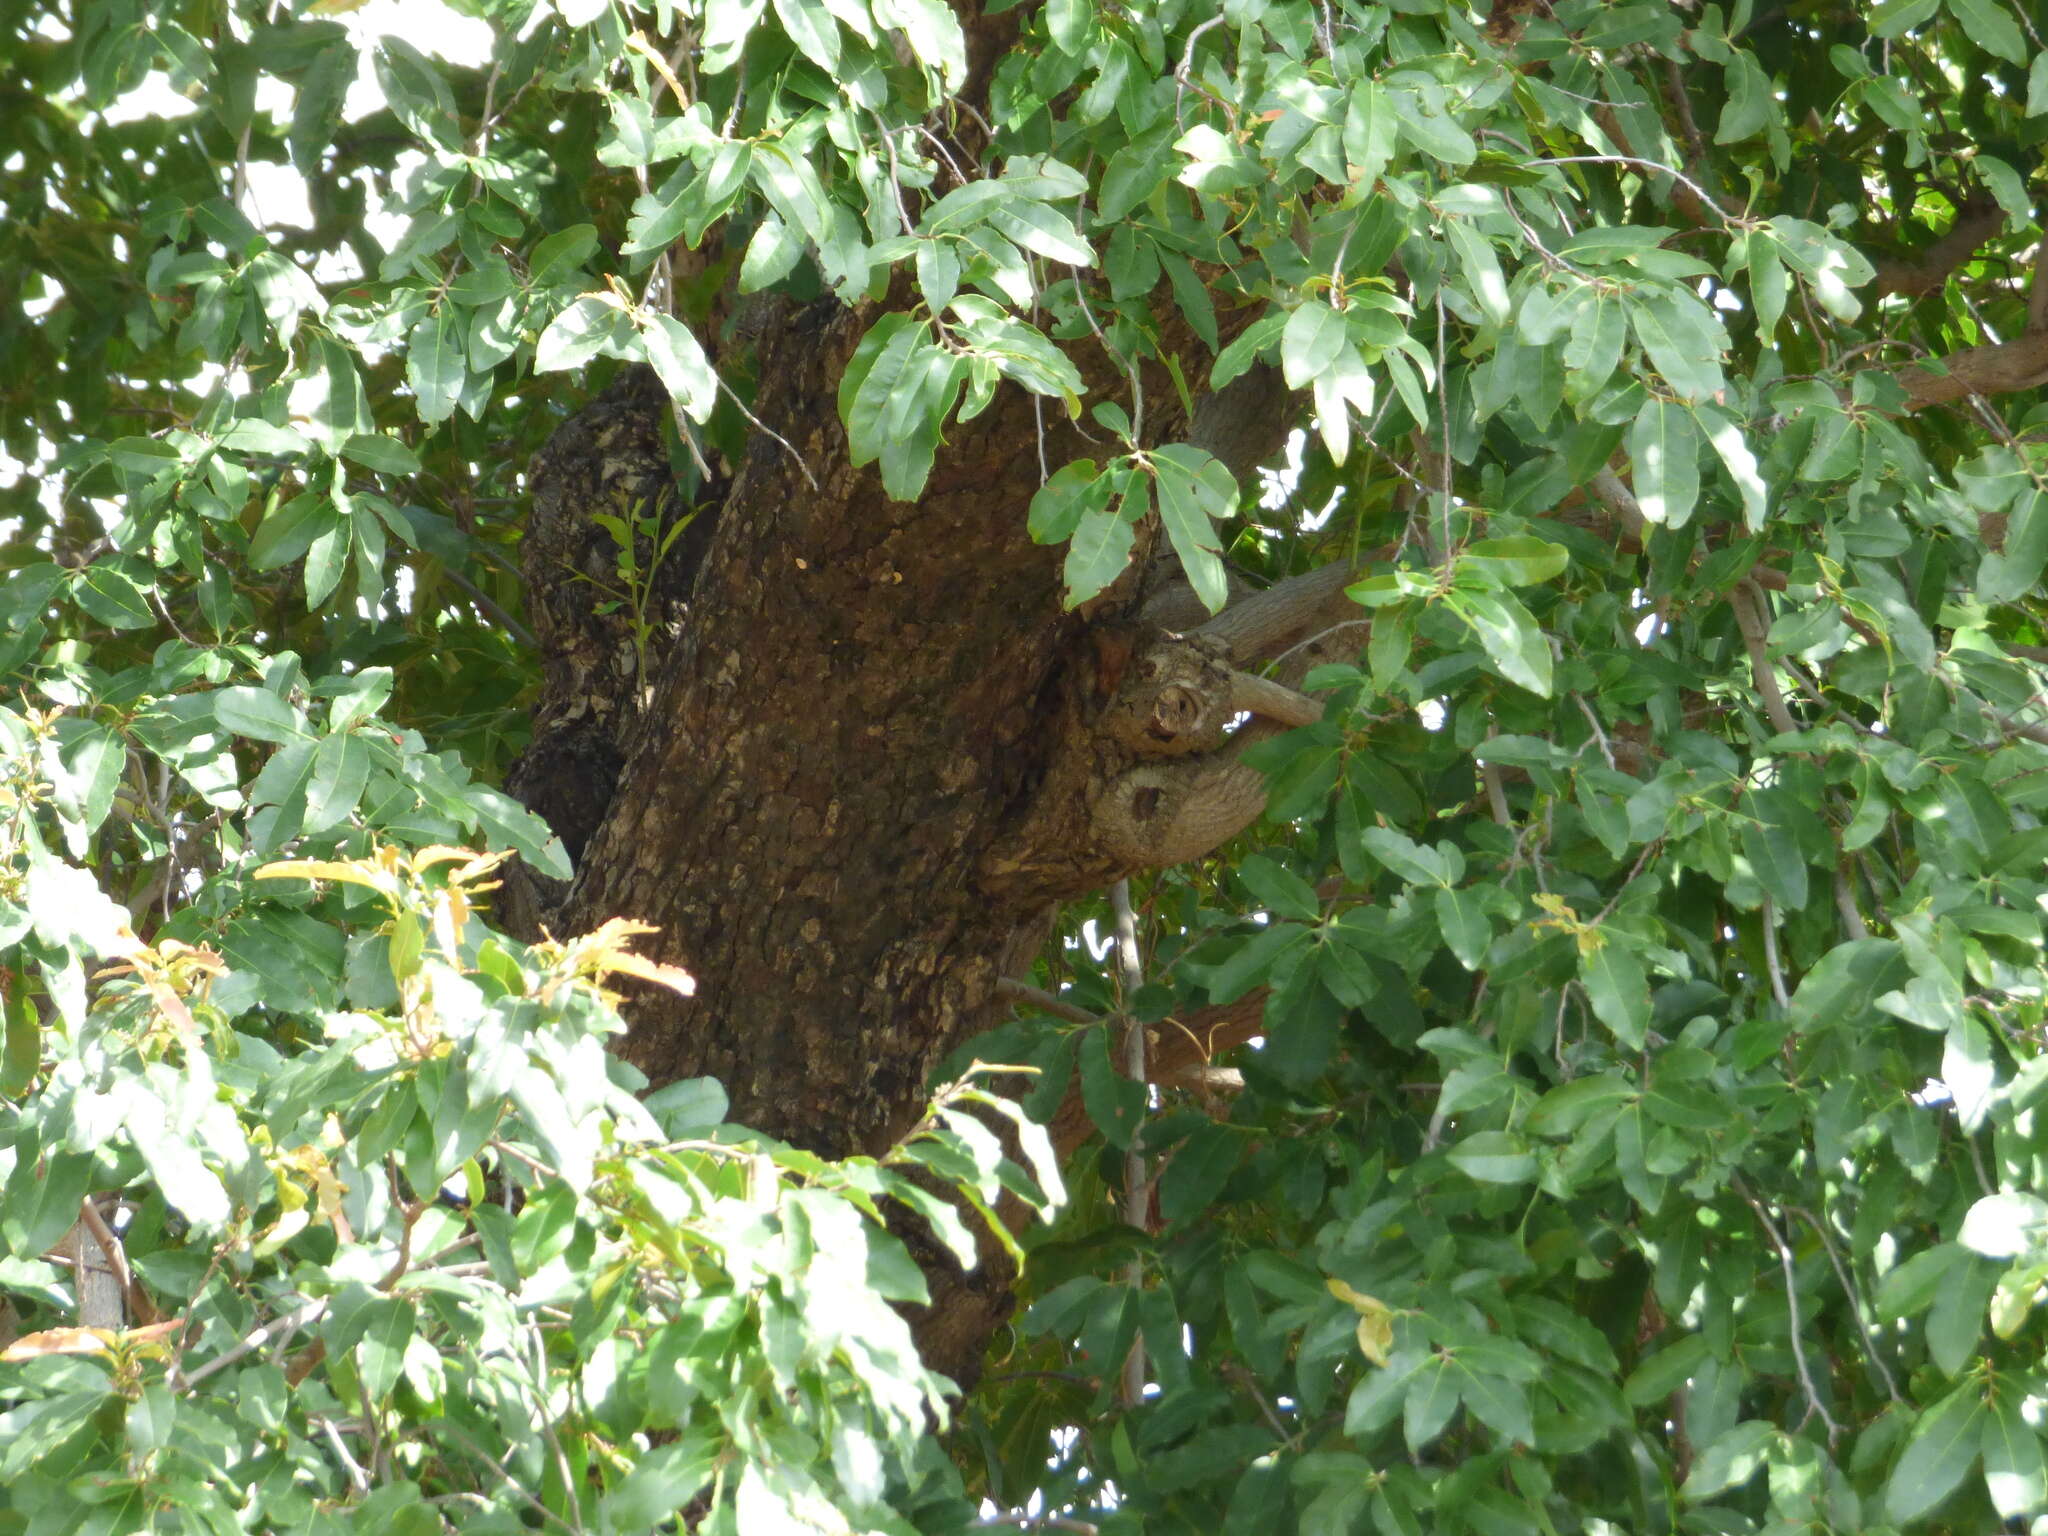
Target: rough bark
1995	369
860	752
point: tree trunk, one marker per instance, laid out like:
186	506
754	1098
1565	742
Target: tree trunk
857	753
852	707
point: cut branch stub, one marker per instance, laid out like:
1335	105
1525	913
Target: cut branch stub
1159	814
1172	699
1149	772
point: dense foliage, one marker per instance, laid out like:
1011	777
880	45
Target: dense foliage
1635	990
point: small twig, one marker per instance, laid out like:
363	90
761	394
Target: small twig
761	426
547	1424
1606	747
491	609
1608	489
1845	903
1637	162
2037	296
1863	1322
1770	922
1750	618
448	1426
1236	1371
1137	1195
1043	1001
1813	1403
278	1329
358	1479
1496	796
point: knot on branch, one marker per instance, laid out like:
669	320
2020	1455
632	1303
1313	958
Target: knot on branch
1160	814
1149	770
1173	698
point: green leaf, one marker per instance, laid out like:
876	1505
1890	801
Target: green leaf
1279	890
813	29
1991	27
386	455
1195	492
1683	340
258	714
2015	1471
560	257
1774	857
2014	571
1037	228
1314	337
1198	1171
1734	452
1664	449
1114	1103
1426	122
434	365
1406	857
1912	1285
1069	492
1732	1459
1517	561
2006	1226
341	771
1750	103
1370	130
685	371
110	595
1069	22
1618	991
388	1325
1944	1446
1097	554
1664	1372
585	329
1512	640
1494	1157
1432	1399
1461	917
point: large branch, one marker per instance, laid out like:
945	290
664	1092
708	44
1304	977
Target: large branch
1925	271
1998	368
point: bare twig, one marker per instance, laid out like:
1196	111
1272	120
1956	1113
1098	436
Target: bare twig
1137	1194
1751	617
1044	1001
1869	1329
1845	903
358	1479
1771	964
278	1330
1814	1406
449	1427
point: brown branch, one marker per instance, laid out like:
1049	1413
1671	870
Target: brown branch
1925	271
1997	368
1752	618
1178	1056
1045	1002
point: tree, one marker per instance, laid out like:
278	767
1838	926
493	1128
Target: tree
1389	661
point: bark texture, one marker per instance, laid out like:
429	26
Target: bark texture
855	752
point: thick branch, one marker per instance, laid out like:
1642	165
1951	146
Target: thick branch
1285	614
1925	271
1998	368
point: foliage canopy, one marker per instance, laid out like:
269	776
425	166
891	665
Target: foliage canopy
1644	952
